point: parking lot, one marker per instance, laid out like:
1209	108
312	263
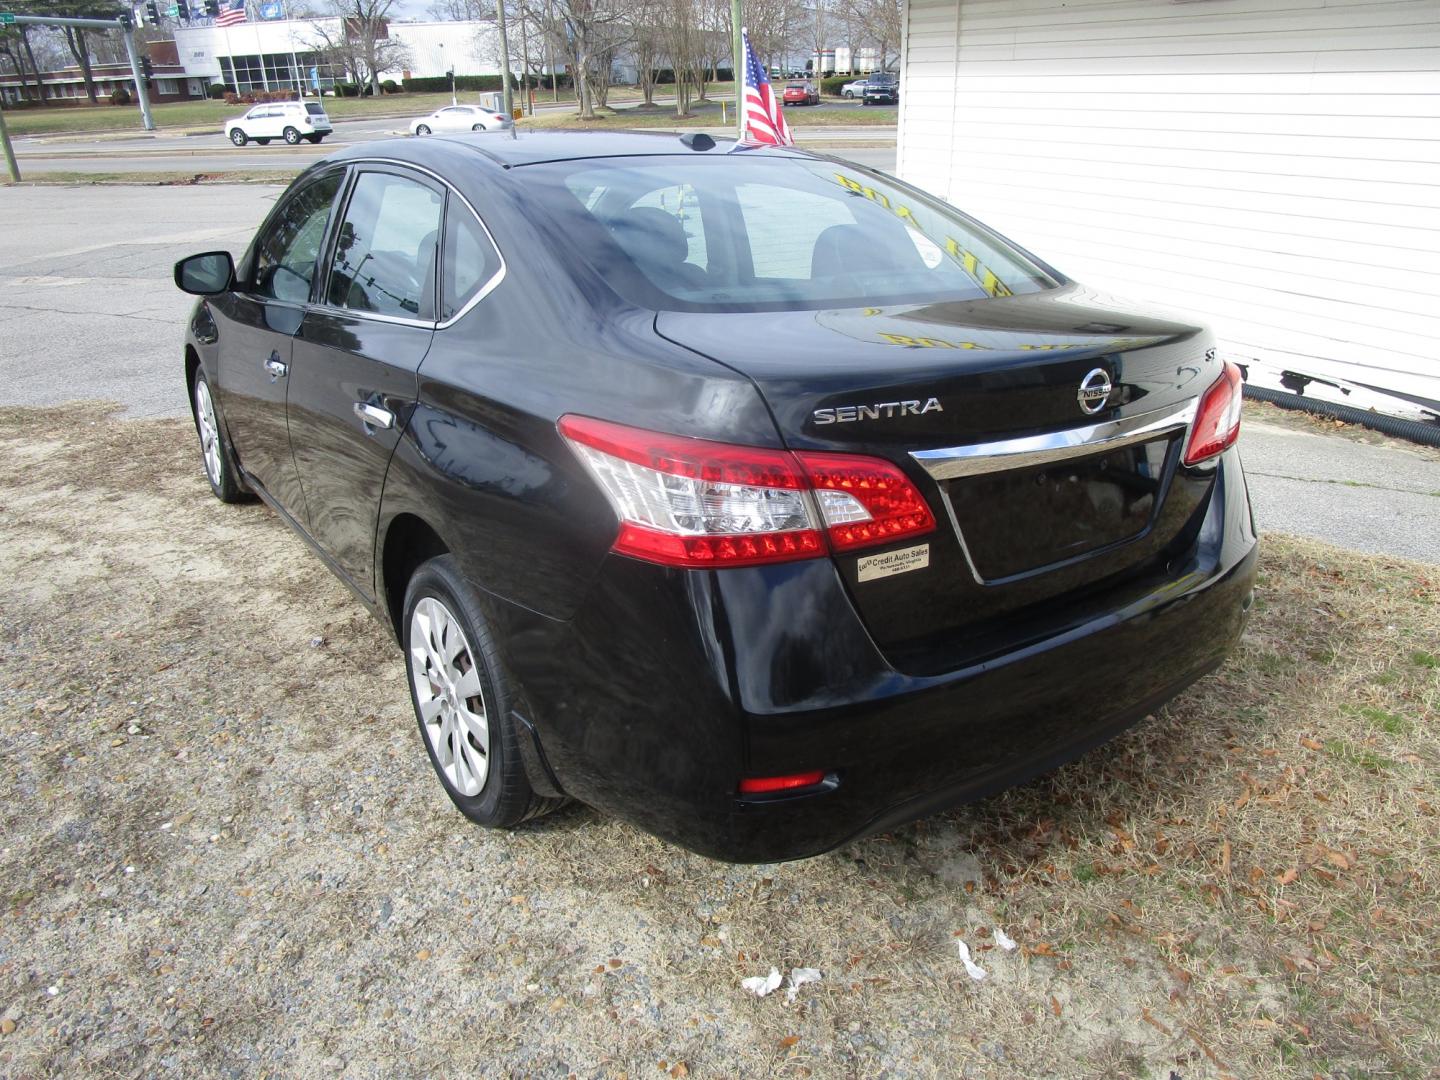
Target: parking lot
224	855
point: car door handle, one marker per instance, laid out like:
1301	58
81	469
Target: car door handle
277	368
373	415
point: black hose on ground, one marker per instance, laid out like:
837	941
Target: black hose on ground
1427	434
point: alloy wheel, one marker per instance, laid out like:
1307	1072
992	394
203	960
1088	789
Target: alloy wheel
422	129
209	431
449	696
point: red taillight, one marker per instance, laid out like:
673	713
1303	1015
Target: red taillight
1217	420
759	785
865	501
696	503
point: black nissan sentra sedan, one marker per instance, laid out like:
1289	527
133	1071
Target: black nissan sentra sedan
748	495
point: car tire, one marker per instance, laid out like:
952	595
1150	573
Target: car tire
216	454
238	137
477	127
263	142
315	138
850	95
292	136
487	784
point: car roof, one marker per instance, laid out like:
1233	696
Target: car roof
515	148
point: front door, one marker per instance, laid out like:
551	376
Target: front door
352	382
257	324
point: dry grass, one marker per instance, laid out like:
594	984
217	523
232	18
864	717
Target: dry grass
223	853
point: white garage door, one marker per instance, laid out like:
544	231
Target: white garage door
1270	165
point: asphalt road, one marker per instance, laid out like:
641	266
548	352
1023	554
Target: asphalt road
88	311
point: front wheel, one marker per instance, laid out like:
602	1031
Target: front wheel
315	138
422	129
477	127
215	451
238	137
292	136
463	696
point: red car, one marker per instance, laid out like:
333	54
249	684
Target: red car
799	93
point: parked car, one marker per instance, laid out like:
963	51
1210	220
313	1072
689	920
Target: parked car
764	518
853	89
292	121
881	89
801	93
460	118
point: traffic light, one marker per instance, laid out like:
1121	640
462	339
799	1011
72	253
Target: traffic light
147	68
152	13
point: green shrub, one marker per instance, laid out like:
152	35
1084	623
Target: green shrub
835	83
440	84
390	86
219	90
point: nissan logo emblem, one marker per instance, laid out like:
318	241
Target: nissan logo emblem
1094	391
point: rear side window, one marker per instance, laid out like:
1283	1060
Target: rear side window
386	247
469	259
286	252
313	109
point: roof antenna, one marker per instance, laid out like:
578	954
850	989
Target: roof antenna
698	140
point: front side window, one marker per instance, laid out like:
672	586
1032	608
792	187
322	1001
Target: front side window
286	253
386	247
757	233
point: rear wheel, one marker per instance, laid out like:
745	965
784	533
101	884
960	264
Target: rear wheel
477	127
238	137
315	139
215	450
463	697
422	129
292	136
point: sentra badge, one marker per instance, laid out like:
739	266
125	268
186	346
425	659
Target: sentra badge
883	410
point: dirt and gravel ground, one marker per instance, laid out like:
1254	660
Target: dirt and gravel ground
224	853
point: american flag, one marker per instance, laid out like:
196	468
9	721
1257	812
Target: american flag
764	120
231	13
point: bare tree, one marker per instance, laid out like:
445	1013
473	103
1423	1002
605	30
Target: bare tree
587	31
15	46
77	39
874	24
365	26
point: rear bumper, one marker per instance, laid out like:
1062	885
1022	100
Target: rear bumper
669	686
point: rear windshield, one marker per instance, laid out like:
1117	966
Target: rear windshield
313	109
741	232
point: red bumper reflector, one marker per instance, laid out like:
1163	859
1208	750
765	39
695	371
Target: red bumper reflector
758	785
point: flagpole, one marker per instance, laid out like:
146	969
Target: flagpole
738	63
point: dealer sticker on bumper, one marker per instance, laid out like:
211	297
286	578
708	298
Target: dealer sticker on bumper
893	562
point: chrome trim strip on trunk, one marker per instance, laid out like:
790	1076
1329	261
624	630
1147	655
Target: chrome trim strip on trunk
978	458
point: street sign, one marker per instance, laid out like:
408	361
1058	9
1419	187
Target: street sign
173	11
6	18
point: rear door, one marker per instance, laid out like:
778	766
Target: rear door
257	323
356	355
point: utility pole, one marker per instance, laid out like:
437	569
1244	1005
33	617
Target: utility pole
9	150
505	53
122	24
738	63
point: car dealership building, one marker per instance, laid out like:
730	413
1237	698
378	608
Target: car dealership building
1272	166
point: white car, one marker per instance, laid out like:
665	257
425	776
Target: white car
853	89
459	118
288	120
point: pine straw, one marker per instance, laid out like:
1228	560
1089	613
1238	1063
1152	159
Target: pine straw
263	877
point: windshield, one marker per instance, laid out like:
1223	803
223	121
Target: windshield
750	233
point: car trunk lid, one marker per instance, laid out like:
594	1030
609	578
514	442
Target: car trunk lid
1045	431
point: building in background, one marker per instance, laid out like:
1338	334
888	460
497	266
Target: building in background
169	80
1275	172
281	54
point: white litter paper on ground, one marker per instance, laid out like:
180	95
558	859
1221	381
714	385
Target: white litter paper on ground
974	970
760	985
798	978
1004	940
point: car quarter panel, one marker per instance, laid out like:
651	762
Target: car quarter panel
481	453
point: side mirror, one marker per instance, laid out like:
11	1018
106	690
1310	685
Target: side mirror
206	274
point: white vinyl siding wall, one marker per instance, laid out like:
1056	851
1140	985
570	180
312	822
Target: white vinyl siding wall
1272	166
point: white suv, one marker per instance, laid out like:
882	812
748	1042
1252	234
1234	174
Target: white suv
288	120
